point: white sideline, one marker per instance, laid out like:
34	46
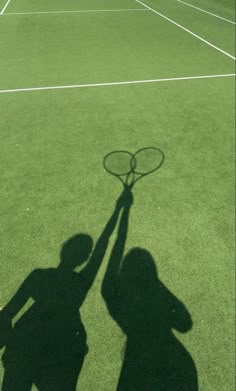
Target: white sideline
187	30
207	12
75	12
5	6
116	83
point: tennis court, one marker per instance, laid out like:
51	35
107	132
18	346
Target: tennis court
82	78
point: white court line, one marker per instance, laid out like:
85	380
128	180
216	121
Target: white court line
5	6
115	83
207	12
187	30
75	12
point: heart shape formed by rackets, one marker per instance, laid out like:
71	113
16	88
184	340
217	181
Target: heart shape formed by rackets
129	168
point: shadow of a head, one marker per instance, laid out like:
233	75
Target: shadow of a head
142	288
138	272
75	251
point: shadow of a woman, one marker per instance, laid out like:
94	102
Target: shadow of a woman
147	311
48	344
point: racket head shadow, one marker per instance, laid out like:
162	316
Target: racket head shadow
119	164
147	161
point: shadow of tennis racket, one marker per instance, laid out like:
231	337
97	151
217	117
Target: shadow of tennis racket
130	168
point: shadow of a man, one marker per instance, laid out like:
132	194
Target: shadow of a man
147	311
48	344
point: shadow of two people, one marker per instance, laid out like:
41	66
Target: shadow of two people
48	344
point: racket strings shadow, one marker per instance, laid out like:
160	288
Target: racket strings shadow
130	168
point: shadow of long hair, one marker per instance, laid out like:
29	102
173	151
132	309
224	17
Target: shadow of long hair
147	312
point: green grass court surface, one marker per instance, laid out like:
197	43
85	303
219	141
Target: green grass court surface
82	78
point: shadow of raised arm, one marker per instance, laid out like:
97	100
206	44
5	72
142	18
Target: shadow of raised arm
88	274
112	272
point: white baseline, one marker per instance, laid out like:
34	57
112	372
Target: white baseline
207	12
187	30
75	12
115	83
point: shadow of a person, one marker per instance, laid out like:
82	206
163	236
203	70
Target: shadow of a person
147	311
47	345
